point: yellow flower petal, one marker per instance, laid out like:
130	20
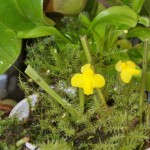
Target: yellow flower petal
120	66
87	88
131	64
85	67
136	71
88	72
98	81
87	80
126	75
77	80
127	70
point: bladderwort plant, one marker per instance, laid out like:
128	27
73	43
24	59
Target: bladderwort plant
92	88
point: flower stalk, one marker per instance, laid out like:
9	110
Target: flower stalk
144	69
102	98
34	76
89	59
86	49
81	97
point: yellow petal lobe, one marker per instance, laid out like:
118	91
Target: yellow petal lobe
126	75
87	80
131	64
127	70
88	89
98	81
85	67
120	66
136	71
88	72
77	80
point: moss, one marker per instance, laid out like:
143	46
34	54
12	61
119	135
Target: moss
50	126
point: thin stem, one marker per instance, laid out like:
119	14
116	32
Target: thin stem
86	49
102	98
144	69
81	97
89	59
34	76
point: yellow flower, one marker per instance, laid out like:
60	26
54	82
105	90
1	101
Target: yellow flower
87	80
127	70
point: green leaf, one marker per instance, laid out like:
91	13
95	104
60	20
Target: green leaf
144	21
116	15
111	37
121	17
26	18
84	20
39	31
142	33
10	47
22	15
137	5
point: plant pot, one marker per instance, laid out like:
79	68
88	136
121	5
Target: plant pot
69	7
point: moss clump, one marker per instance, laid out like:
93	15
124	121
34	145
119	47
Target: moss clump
50	126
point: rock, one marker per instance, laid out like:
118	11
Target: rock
22	110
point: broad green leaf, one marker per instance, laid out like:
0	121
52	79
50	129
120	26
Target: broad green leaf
33	10
39	30
26	18
136	5
116	15
10	47
121	17
22	15
111	36
142	33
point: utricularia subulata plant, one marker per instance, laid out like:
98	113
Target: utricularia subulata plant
92	86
